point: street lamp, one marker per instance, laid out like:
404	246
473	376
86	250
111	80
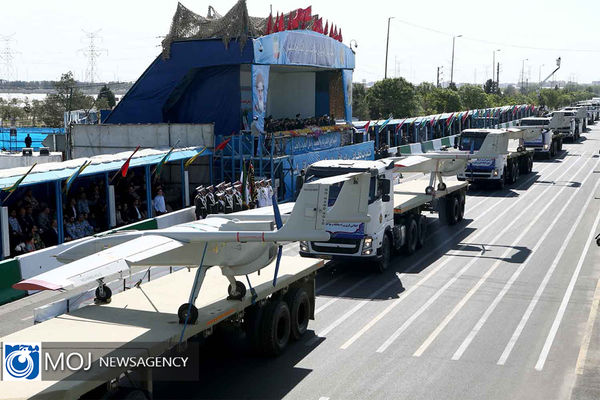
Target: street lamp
387	44
523	72
540	74
452	64
494	65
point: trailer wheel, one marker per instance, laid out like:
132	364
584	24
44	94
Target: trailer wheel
517	172
299	305
252	326
560	144
422	231
453	210
275	328
529	164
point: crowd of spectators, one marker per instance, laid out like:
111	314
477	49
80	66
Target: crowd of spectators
288	124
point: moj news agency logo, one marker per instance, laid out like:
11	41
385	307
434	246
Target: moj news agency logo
21	361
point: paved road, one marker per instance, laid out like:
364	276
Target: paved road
498	307
501	306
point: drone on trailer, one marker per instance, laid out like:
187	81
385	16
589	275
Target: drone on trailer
238	246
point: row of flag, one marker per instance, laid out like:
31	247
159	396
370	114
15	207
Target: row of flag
487	113
122	171
302	18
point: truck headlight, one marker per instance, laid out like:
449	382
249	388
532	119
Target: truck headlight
303	245
495	173
367	246
546	147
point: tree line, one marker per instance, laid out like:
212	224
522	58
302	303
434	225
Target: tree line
68	95
402	99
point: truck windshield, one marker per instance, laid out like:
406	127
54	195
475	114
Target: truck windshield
534	122
313	174
471	143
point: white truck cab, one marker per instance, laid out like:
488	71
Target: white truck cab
512	158
549	142
565	122
394	208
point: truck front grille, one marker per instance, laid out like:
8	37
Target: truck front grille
337	246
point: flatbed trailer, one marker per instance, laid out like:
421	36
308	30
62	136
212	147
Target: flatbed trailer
145	320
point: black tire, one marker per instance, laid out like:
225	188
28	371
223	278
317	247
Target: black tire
412	236
299	305
529	164
560	143
241	289
517	173
182	313
461	208
275	328
429	190
104	295
501	182
453	210
252	326
422	231
386	254
441	186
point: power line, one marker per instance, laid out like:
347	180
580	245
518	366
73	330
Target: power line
518	46
92	53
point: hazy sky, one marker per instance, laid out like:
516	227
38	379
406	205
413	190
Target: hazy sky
47	36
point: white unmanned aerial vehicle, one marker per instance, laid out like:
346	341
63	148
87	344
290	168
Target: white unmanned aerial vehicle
237	246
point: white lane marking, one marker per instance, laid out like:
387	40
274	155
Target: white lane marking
565	301
323	398
431	272
585	345
465	344
441	290
354	309
27	318
538	294
338	296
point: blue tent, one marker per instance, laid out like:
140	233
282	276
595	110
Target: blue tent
200	81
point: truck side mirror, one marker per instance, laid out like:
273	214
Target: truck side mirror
385	198
456	142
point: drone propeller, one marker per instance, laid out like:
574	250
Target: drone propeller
279	225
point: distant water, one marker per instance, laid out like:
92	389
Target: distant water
22	96
37	135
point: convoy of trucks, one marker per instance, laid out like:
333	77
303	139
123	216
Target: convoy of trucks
397	222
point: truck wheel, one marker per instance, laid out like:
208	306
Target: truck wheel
422	226
529	164
517	173
252	326
386	254
412	236
275	328
501	182
461	207
103	294
559	144
453	210
299	305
